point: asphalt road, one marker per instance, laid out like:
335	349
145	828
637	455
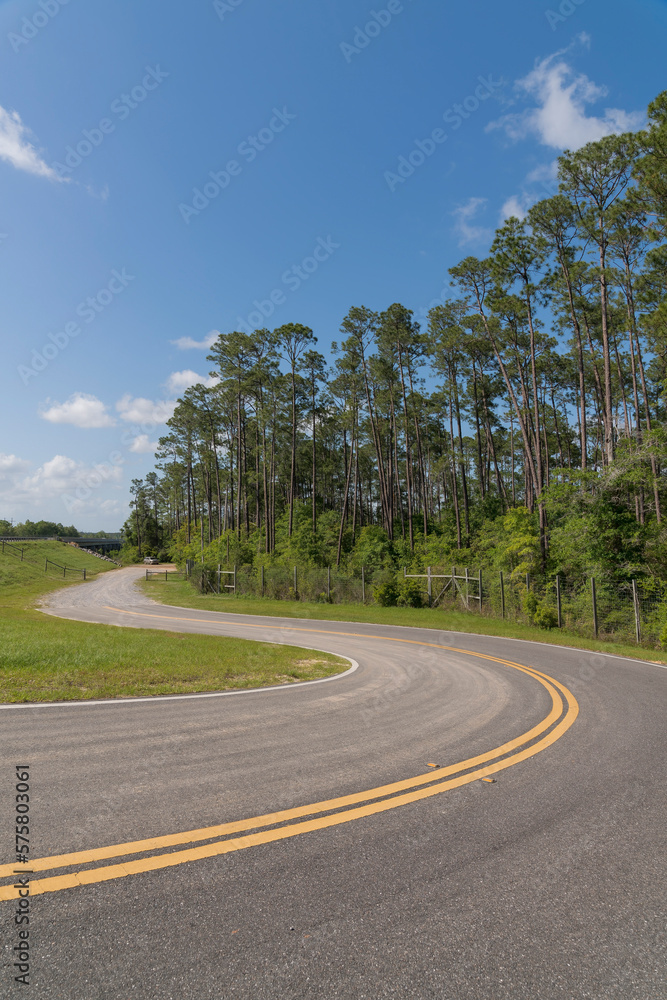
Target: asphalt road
393	880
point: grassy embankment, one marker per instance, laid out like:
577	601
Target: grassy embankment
180	592
51	659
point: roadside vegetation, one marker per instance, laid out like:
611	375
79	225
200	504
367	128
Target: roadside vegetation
181	593
43	658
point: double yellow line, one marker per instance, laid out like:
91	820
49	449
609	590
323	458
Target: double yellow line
332	812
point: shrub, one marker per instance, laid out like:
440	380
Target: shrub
663	637
386	594
529	604
545	617
539	612
410	595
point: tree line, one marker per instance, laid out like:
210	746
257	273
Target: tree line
538	386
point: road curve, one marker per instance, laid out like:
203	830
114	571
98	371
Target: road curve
293	842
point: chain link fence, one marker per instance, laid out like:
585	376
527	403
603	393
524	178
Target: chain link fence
631	612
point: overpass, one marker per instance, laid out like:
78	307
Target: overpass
99	544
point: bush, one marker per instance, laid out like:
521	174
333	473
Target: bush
545	617
410	595
663	637
529	604
539	612
386	594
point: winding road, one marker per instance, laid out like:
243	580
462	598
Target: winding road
456	816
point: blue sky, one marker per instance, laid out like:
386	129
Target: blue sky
172	170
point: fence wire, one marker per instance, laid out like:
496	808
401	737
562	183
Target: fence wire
623	613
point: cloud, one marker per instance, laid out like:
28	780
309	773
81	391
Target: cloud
139	410
187	343
180	381
81	410
58	475
561	95
466	232
142	445
516	205
11	464
61	482
17	149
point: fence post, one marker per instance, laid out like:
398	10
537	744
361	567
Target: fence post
234	579
480	590
560	614
21	554
84	572
502	594
635	600
296	590
363	586
467	590
219	567
430	590
262	580
64	571
328	583
595	607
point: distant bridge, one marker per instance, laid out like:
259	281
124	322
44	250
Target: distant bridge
104	544
101	544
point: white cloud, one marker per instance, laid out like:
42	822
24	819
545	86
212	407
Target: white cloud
11	464
58	475
138	410
62	486
142	445
81	410
561	95
466	231
516	205
180	381
187	343
17	149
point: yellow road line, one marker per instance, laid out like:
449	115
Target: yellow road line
370	807
90	876
270	819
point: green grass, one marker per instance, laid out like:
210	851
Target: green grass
15	575
51	659
180	592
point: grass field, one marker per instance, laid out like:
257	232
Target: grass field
180	592
51	659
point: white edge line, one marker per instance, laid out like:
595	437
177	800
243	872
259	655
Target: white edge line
156	699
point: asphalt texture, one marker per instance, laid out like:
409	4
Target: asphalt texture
548	884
